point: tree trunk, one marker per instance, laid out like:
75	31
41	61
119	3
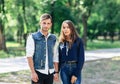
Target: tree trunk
24	22
2	40
84	20
2	37
119	35
52	14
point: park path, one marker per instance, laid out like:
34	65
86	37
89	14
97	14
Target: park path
102	54
20	63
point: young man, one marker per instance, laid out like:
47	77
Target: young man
40	51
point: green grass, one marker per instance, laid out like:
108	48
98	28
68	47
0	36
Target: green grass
101	44
20	77
14	49
3	54
12	44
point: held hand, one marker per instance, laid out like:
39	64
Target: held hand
34	77
56	77
73	79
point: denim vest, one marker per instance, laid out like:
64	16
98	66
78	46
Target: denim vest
39	57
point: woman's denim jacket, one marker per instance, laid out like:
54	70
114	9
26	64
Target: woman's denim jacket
40	50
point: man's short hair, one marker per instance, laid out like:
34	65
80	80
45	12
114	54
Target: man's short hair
45	16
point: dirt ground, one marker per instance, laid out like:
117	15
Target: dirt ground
105	71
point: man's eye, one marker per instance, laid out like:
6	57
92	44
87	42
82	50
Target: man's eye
63	27
43	22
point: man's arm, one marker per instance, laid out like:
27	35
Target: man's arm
30	63
30	52
34	75
56	67
56	75
29	55
56	62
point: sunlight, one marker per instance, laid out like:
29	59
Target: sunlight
116	58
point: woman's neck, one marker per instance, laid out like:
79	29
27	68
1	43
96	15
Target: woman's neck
67	38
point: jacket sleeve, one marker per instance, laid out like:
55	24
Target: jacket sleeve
81	58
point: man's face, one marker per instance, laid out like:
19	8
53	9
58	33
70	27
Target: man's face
46	25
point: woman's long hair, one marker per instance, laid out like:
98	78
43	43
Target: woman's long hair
73	36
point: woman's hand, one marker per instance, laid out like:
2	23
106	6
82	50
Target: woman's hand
73	79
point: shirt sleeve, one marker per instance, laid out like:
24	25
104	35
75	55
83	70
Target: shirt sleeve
30	46
55	57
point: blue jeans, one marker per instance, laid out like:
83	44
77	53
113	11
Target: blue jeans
66	73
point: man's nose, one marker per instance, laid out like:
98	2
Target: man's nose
46	25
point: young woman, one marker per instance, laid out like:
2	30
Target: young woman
71	54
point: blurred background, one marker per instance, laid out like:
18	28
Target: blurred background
97	22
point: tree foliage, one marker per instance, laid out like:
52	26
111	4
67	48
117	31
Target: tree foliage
92	18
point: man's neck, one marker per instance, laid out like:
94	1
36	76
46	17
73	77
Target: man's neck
44	33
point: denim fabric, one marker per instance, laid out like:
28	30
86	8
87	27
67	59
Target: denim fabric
66	73
40	50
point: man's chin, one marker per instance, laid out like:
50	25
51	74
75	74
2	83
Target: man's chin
45	30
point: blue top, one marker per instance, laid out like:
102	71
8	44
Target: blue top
75	53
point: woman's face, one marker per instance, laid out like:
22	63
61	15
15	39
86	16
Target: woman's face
66	29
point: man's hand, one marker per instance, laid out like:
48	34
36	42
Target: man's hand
56	76
73	79
34	77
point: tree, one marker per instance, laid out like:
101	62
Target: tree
2	17
104	19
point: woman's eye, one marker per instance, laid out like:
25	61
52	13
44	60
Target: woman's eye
63	27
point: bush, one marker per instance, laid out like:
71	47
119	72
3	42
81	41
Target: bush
3	54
